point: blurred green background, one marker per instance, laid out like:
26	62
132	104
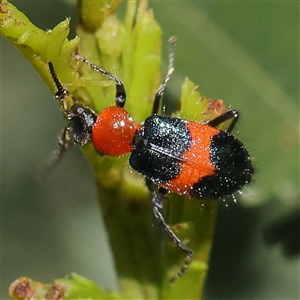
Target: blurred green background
246	53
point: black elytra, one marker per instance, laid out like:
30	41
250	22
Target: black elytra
233	168
158	148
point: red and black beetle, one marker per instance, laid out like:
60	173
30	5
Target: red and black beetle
175	155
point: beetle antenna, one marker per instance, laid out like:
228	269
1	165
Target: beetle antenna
61	91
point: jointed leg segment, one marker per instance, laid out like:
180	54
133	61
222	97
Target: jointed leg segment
161	89
157	201
120	97
232	115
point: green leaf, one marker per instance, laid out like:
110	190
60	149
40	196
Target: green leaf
75	287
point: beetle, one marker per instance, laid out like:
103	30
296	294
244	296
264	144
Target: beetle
175	155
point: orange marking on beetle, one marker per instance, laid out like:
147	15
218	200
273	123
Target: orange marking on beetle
196	162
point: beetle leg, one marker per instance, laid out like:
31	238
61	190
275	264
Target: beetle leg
157	201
